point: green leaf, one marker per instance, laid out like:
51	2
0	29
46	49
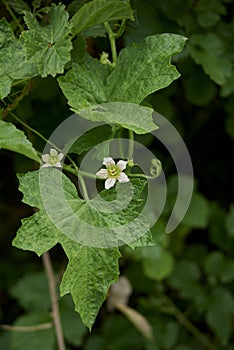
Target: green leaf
32	292
140	70
207	19
90	270
217	265
48	45
144	241
198	212
91	138
144	68
185	273
97	31
128	115
208	50
89	274
100	11
185	278
220	313
15	140
157	262
12	51
166	332
198	88
85	88
27	340
209	12
85	84
19	6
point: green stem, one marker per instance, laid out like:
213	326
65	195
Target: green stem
33	130
121	152
83	186
27	329
69	169
148	177
18	82
189	326
131	144
121	30
111	36
89	175
15	103
13	15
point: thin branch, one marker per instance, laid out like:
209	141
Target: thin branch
15	103
39	327
130	144
202	338
54	302
13	15
121	29
83	186
111	36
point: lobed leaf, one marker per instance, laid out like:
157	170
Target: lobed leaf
48	46
12	51
140	70
91	269
144	68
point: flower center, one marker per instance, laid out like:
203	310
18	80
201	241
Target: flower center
113	171
53	160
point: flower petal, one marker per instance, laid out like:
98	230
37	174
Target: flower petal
123	177
108	161
122	164
45	157
109	183
57	165
46	165
53	152
60	156
103	174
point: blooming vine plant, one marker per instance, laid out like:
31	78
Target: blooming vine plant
56	45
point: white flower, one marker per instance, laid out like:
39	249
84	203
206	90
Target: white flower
52	159
113	172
